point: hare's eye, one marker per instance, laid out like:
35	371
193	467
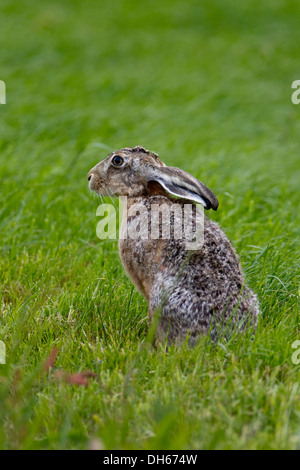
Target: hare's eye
117	160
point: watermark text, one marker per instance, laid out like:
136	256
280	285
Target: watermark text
296	355
2	353
2	92
296	94
165	221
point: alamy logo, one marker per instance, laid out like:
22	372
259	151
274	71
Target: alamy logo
296	355
2	92
2	353
158	221
296	94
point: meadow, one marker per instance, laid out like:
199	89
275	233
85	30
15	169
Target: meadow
206	85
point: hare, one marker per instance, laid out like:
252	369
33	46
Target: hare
190	292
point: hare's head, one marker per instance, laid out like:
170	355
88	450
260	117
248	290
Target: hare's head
139	172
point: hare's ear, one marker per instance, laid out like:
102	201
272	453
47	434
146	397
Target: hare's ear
182	184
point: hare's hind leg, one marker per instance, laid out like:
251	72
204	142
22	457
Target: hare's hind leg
157	333
163	329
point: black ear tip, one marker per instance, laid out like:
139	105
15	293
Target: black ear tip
215	206
214	203
211	205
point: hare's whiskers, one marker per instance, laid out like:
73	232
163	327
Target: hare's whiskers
111	196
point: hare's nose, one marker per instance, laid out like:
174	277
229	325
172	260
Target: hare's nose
89	177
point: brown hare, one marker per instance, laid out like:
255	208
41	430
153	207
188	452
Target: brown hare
193	292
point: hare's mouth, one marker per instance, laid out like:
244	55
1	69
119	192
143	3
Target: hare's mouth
95	184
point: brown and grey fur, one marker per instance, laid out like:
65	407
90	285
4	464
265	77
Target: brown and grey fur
195	292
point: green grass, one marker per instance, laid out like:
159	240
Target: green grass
208	86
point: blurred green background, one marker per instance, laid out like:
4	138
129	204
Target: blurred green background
206	85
